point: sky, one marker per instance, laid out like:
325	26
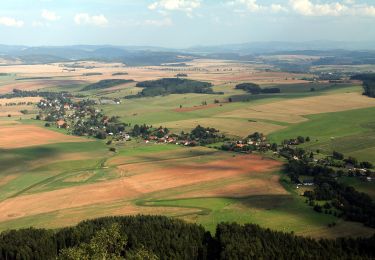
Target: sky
183	23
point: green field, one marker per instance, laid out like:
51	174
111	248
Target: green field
350	132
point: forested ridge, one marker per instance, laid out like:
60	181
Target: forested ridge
157	237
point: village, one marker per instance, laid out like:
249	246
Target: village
81	118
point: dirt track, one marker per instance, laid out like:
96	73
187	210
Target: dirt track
161	178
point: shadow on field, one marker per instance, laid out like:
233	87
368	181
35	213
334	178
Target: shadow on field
13	159
268	202
173	162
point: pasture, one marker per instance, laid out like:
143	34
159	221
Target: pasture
294	110
351	132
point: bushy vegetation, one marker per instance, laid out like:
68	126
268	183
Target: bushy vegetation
154	237
347	202
369	88
203	135
34	78
368	83
107	83
255	89
22	93
168	86
120	74
92	74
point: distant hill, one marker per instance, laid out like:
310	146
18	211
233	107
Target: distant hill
130	56
332	52
277	46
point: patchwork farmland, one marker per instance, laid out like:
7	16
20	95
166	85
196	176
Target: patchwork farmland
51	178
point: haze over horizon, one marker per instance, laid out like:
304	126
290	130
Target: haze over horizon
184	23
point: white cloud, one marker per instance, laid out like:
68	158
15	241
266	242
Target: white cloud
86	19
11	22
306	7
346	7
276	8
253	6
50	16
366	10
176	5
160	23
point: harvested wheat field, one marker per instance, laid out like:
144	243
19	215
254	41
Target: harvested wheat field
28	135
37	84
15	107
232	126
161	178
3	102
293	110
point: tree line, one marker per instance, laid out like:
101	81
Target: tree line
166	86
368	83
157	237
107	83
255	89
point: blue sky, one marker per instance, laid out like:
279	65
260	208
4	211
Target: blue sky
183	23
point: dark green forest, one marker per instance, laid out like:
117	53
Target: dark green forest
255	89
157	237
368	83
107	83
166	86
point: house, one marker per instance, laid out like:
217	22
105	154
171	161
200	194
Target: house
61	123
162	140
308	182
171	140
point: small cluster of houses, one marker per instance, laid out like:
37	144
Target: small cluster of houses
254	142
198	136
171	139
81	118
53	110
257	143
